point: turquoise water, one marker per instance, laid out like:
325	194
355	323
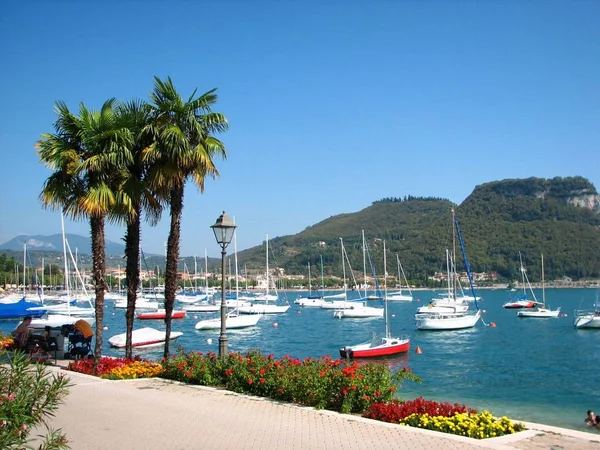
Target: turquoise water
538	370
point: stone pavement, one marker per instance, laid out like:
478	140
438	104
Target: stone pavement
153	414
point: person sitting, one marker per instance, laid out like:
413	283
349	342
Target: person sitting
43	339
22	333
592	420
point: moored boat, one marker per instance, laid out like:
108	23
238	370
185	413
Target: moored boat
232	321
143	338
379	346
160	314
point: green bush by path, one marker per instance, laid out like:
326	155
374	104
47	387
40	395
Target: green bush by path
324	383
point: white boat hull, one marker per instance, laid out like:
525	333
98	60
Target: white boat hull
309	302
202	308
442	309
263	309
232	322
338	304
355	312
143	338
587	320
57	321
445	321
392	297
538	312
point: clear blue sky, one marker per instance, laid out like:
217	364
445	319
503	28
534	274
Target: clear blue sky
331	104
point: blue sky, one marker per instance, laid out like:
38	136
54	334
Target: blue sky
332	105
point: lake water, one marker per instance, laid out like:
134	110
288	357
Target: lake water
538	370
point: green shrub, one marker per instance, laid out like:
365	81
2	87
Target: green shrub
28	396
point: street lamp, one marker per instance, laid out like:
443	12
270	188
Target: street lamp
223	229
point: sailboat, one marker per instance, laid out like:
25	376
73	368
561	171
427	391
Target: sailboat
312	301
452	320
379	346
539	311
264	308
339	301
359	309
521	301
233	319
399	296
588	318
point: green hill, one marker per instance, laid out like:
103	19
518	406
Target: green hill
498	220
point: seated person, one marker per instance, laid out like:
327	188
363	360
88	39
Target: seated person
84	328
21	333
42	339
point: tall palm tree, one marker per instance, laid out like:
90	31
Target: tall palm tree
84	153
185	148
136	197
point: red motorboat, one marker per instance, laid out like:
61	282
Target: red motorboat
160	314
381	346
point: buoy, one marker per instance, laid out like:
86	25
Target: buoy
105	328
393	315
483	311
565	315
195	317
418	299
493	324
275	324
113	314
209	341
298	312
418	350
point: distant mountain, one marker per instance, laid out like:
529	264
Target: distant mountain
53	243
558	217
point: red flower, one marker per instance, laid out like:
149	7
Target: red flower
228	372
262	381
250	381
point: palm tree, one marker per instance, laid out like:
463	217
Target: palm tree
135	197
84	153
185	148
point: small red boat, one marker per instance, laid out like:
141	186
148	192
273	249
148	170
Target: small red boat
381	346
520	304
160	314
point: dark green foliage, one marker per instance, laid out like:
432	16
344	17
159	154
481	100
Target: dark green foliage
497	220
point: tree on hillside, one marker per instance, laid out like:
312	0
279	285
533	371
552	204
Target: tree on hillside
84	152
184	149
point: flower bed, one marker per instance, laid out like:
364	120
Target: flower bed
118	368
444	417
338	385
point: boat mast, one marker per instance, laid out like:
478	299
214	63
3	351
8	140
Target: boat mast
24	268
343	268
543	284
522	274
267	247
453	257
364	262
385	303
309	285
322	279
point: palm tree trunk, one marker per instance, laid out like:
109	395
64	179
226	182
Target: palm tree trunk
132	275
99	268
172	257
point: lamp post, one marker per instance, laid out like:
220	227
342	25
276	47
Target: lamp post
223	229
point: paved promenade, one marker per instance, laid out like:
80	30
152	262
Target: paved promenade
157	414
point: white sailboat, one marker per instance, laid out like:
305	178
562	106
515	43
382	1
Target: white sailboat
233	320
311	301
360	309
588	318
539	311
264	308
399	296
451	320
